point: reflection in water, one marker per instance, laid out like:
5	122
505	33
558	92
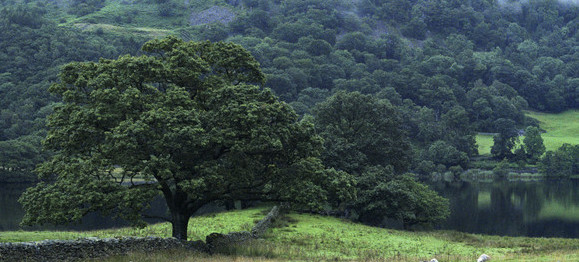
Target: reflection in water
11	212
523	208
541	209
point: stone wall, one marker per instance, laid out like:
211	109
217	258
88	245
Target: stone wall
264	224
216	241
71	250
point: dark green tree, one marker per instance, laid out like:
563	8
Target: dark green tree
363	137
562	163
187	121
506	138
501	170
382	194
441	152
360	131
533	143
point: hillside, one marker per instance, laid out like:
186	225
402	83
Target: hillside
449	75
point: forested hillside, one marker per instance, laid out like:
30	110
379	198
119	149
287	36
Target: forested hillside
448	68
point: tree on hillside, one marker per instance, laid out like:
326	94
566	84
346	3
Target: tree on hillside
187	121
505	140
363	136
533	142
561	163
359	131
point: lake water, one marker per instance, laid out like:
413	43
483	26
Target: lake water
11	213
538	209
522	208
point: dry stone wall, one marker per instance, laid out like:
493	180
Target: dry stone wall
72	250
80	249
216	241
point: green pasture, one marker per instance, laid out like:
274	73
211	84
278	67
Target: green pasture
559	129
314	238
484	142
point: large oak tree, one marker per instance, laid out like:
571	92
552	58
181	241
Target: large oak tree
185	121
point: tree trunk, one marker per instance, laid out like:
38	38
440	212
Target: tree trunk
179	222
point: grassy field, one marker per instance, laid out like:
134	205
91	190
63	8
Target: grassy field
559	129
484	142
309	237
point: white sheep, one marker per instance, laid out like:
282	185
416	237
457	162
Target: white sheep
483	258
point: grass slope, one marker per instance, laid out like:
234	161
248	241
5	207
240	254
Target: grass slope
559	129
484	142
139	17
310	237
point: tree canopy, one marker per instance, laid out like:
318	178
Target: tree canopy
363	136
361	131
469	63
185	121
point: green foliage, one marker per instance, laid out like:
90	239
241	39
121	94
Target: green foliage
479	62
22	15
533	142
383	194
84	7
505	140
562	163
363	137
488	58
502	169
32	49
361	131
187	120
441	152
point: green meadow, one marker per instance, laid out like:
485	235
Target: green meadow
310	237
559	129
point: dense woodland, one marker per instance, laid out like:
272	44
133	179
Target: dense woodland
451	68
392	86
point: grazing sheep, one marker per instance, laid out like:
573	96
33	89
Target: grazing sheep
483	258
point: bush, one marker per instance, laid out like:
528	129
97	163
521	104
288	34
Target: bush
398	197
562	163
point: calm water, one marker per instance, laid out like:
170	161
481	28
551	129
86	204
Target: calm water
537	209
548	208
11	212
